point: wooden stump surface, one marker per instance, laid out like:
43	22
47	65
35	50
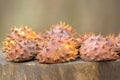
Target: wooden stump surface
76	70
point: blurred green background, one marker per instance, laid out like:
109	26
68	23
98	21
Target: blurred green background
84	15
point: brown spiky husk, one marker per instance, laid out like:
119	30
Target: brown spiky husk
81	38
97	48
20	45
116	40
57	45
60	31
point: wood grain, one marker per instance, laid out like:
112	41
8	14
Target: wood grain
77	70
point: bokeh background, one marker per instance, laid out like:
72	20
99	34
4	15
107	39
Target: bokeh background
84	15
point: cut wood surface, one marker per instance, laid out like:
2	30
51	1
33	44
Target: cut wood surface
76	70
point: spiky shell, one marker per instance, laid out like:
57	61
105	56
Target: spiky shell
97	48
87	35
53	51
20	45
115	40
57	45
79	40
82	37
117	43
60	31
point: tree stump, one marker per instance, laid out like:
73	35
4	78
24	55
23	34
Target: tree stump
76	70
